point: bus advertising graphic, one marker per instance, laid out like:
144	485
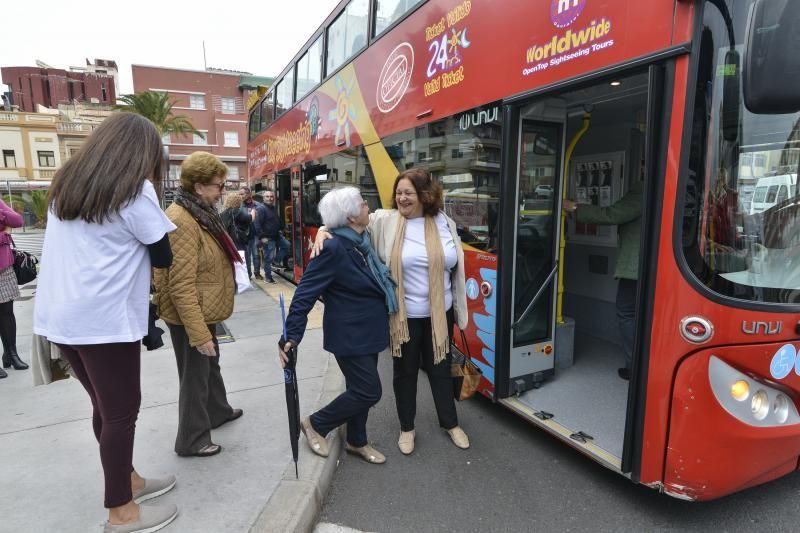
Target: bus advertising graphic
565	12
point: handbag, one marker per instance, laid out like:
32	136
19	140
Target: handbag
466	375
242	277
24	265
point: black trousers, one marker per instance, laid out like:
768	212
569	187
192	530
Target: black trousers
363	390
418	353
202	401
110	374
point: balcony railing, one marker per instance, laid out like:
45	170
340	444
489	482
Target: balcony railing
42	174
73	127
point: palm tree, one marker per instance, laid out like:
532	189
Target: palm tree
37	203
157	107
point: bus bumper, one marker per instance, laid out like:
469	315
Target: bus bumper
719	443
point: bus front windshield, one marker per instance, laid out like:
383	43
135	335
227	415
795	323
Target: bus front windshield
741	210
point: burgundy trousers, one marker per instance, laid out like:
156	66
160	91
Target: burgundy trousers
110	374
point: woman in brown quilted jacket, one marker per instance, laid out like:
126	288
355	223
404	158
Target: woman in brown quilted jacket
193	295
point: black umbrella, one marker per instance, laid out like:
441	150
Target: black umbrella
292	397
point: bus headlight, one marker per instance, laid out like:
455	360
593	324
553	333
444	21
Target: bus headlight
767	406
759	405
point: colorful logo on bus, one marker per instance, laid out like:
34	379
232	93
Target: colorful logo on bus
395	77
344	113
565	12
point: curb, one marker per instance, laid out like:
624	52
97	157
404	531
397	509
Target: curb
296	504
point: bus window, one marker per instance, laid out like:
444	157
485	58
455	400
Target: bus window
266	112
283	94
253	129
388	11
462	152
309	69
737	244
347	35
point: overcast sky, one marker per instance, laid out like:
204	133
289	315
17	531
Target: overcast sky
249	35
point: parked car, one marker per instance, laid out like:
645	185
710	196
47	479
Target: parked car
544	191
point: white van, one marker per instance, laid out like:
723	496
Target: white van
772	190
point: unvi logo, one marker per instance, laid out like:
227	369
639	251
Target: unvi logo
565	12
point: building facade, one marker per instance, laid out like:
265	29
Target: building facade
30	152
101	66
32	87
214	101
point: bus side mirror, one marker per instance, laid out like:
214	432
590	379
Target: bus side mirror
772	62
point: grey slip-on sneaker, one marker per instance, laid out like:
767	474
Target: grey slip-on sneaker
153	488
151	518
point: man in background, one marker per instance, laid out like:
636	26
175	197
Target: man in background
276	245
257	213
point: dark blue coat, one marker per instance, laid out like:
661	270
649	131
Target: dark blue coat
356	321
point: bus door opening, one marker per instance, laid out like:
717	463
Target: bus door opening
569	343
283	200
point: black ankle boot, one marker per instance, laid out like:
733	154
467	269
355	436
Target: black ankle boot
3	374
11	358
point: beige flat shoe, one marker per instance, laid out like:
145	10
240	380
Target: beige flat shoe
406	441
316	442
458	437
368	453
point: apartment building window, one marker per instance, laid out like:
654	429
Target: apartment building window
197	101
200	139
103	89
9	159
232	139
46	158
233	173
228	105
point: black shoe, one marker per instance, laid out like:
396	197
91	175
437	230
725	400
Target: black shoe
11	358
3	374
258	276
624	373
270	280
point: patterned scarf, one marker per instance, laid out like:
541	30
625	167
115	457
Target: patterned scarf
379	271
209	220
398	324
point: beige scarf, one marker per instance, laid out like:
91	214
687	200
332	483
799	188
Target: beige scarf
398	325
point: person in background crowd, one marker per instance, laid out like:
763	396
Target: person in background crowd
626	213
9	290
421	245
358	295
237	223
277	246
193	295
256	212
105	230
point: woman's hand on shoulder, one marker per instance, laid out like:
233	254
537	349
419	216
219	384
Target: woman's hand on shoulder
322	236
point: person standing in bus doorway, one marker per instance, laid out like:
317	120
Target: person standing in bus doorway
421	245
359	295
105	230
626	214
276	246
255	211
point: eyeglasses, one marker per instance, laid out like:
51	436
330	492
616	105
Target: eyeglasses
219	186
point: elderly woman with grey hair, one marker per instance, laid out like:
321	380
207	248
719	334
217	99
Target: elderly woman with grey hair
359	295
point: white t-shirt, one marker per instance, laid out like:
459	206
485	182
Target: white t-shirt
94	284
415	266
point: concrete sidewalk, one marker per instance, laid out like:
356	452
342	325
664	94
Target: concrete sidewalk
51	475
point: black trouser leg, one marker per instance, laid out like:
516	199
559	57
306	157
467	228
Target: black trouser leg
626	315
363	390
8	327
418	352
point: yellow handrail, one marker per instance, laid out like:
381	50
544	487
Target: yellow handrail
587	120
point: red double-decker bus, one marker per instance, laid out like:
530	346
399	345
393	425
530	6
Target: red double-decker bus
689	107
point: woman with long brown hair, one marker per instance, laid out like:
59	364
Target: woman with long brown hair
105	230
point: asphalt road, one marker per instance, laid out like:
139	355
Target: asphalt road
516	477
